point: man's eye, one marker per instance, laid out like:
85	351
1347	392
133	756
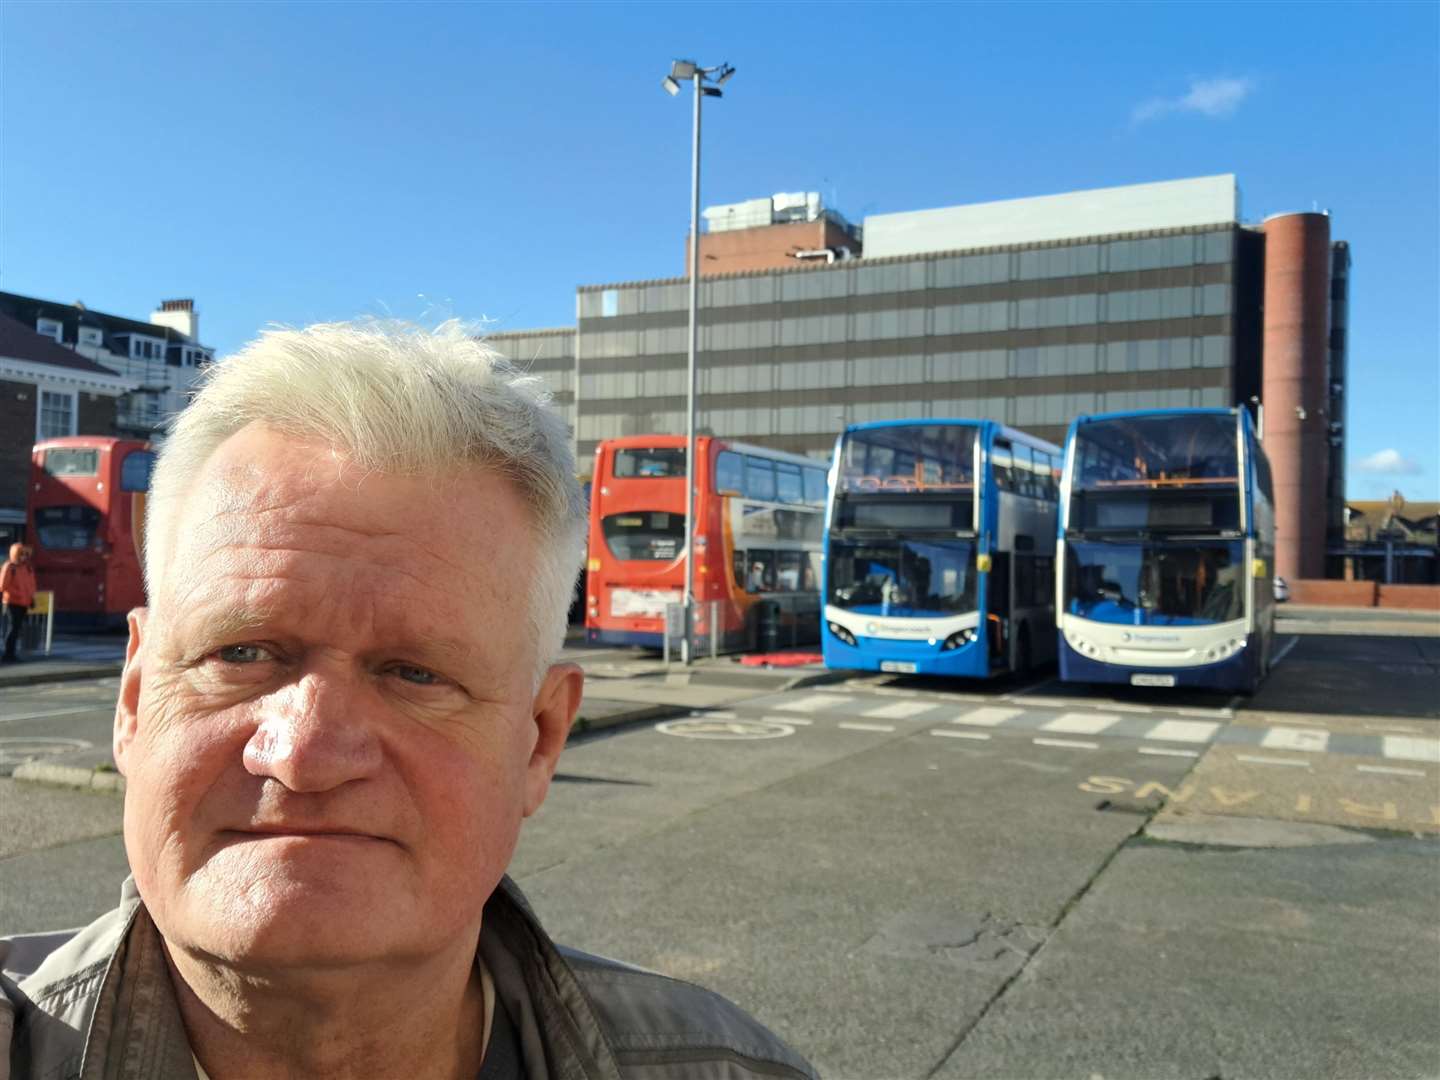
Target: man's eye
417	675
242	654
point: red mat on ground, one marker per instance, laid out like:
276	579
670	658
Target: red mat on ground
782	659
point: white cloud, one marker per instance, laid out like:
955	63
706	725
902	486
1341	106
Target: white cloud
1208	97
1389	462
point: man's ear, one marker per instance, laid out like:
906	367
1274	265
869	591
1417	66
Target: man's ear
127	706
556	704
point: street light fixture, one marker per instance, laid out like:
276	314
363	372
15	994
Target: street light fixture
681	71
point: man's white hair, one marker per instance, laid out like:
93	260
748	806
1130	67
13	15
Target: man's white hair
395	399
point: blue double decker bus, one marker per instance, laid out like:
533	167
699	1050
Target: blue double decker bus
939	549
1166	551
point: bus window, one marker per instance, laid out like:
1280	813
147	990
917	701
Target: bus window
815	485
1023	470
759	479
135	470
761	575
648	463
646	534
72	462
1000	465
729	474
788	484
740	568
66	528
788	572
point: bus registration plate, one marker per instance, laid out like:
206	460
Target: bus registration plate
1152	680
899	667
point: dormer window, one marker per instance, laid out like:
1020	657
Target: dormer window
54	329
90	335
144	348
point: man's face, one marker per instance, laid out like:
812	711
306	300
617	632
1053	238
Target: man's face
328	721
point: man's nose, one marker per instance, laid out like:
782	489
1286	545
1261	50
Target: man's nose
316	735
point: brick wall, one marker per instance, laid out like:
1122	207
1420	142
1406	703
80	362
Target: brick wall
97	414
17	435
1411	597
1333	593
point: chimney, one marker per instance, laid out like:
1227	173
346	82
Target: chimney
178	315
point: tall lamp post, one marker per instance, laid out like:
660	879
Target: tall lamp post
707	83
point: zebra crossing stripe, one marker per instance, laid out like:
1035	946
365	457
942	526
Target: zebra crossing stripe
1289	738
899	710
1081	723
1408	748
1183	731
989	716
816	702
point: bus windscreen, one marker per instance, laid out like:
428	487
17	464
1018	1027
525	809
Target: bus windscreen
910	457
1156	584
652	463
72	461
902	577
1151	452
66	528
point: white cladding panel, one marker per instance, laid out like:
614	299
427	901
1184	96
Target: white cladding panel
1170	204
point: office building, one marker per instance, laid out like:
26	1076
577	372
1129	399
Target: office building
1029	311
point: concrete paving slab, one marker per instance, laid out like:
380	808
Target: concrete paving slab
1183	963
867	903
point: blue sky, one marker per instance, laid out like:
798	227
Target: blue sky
294	162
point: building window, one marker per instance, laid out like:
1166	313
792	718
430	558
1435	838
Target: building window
90	335
57	414
51	328
610	303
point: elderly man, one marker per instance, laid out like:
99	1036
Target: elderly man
341	703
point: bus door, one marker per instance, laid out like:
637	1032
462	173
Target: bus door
997	609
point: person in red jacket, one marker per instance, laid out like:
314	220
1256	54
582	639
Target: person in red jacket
17	590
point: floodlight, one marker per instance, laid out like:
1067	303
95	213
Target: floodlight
725	72
682	69
671	86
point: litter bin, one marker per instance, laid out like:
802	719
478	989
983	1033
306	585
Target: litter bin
767	626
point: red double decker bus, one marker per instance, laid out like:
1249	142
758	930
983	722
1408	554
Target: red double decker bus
759	515
85	513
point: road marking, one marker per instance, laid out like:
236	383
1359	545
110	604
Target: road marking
899	710
951	733
1120	707
40	713
1273	761
1183	730
803	721
1275	660
1406	728
1081	723
1289	738
850	725
1069	744
1165	751
1390	770
989	716
1410	749
725	730
816	702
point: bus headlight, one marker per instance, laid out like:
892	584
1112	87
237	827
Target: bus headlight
1080	645
1225	649
841	633
960	637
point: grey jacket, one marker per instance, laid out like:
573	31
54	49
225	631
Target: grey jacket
98	1004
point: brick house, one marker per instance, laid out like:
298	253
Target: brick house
46	390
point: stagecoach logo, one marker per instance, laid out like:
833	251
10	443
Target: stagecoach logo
897	629
1150	639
